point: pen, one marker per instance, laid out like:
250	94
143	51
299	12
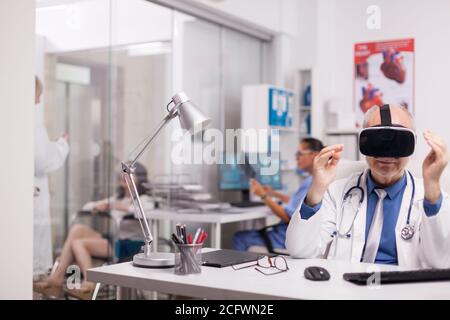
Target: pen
176	239
203	237
183	233
200	237
180	232
197	234
189	238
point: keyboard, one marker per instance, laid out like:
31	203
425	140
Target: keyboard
386	277
247	204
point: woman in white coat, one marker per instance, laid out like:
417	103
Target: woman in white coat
326	226
48	156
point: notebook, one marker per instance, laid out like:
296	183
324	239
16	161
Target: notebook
225	257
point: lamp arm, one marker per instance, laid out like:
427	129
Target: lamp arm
172	114
129	178
129	172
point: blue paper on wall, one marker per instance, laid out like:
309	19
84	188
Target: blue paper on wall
280	107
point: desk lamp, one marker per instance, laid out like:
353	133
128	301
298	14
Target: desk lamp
190	118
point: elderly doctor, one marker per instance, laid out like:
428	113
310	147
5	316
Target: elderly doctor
384	214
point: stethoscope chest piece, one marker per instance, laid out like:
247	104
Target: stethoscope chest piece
407	232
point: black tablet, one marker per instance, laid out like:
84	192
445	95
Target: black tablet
226	257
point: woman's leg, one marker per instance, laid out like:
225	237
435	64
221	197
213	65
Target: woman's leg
84	248
78	231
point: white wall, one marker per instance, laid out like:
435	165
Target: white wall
69	27
323	63
306	39
341	23
16	144
279	16
276	15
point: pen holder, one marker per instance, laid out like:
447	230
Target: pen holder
188	259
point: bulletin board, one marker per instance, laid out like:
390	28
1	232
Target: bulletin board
383	74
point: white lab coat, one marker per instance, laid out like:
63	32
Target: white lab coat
429	247
48	156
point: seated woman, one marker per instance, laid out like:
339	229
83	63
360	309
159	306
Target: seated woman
83	242
274	237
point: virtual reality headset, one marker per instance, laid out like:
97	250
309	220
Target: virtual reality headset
387	140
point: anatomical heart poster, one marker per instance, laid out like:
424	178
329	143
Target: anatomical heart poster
384	74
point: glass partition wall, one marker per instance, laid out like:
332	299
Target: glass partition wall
109	68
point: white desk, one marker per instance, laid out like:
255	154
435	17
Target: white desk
226	283
216	219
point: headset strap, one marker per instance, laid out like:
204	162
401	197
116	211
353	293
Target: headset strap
385	114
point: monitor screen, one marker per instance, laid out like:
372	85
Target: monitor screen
236	170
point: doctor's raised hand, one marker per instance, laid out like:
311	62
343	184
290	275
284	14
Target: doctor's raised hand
433	165
324	172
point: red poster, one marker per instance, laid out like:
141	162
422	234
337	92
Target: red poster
384	74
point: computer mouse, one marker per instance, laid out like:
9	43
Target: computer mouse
317	274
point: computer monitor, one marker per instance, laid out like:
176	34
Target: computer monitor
235	173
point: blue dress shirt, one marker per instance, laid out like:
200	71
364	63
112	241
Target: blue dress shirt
387	249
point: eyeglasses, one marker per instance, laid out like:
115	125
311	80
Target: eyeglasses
298	154
263	264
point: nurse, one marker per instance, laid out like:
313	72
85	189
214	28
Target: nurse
275	236
381	215
48	156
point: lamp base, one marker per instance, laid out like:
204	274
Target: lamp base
154	260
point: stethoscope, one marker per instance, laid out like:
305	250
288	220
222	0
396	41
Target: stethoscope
407	231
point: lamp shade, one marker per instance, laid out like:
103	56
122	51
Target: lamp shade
190	117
